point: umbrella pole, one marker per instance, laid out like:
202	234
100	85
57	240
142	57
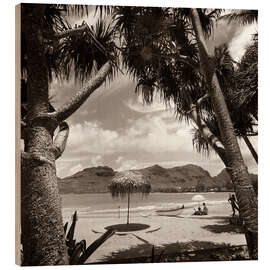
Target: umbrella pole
128	207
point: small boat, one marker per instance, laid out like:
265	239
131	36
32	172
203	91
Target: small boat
175	211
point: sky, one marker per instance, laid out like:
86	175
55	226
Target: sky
114	128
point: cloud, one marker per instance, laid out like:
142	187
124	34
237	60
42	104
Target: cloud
90	137
125	164
139	106
222	33
75	168
96	161
239	43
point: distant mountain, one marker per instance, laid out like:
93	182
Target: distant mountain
90	180
178	179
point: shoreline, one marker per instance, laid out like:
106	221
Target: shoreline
153	192
162	231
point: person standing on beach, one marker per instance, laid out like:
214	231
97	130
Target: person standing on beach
232	201
205	210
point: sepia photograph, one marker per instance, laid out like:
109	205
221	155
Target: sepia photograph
137	134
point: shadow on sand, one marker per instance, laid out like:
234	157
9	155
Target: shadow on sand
224	226
173	252
131	227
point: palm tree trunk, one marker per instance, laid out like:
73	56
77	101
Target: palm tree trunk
128	207
246	196
251	148
43	237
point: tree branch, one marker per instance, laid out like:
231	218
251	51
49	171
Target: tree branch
60	140
81	96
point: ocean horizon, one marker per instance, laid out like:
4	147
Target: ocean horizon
103	204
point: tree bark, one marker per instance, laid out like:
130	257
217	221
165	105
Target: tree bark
246	196
251	148
43	236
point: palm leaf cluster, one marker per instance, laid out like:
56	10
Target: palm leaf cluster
83	53
152	40
86	52
243	17
245	97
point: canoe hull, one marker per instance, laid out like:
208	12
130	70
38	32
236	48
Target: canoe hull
170	212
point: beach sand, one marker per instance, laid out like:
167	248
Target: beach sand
162	230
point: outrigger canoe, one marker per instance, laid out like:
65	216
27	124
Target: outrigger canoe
170	211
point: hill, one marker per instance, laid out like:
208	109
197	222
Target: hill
187	178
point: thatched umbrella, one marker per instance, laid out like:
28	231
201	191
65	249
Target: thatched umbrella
126	182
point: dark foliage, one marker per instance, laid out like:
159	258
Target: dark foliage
78	251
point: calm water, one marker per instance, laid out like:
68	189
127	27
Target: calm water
103	204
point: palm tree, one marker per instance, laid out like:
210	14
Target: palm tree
243	187
245	98
45	32
173	56
243	108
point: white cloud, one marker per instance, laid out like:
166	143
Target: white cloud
75	168
126	164
240	42
96	161
90	137
139	106
153	134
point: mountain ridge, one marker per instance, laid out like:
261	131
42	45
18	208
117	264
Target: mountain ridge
186	178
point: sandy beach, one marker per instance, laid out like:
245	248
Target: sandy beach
161	231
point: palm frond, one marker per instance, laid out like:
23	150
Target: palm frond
75	10
86	52
245	96
243	17
200	143
207	17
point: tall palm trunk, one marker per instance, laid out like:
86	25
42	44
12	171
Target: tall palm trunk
251	148
41	219
246	196
43	237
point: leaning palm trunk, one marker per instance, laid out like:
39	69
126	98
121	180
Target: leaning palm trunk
246	196
251	148
43	237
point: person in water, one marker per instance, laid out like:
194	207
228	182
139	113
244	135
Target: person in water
233	202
